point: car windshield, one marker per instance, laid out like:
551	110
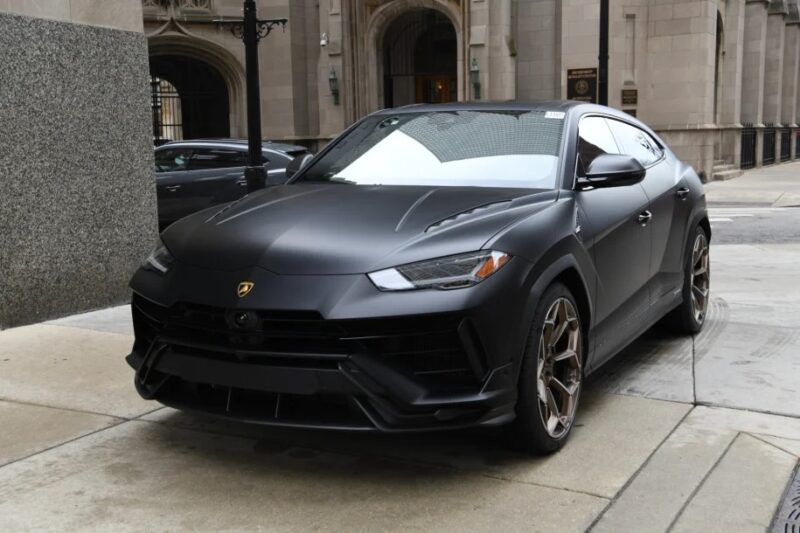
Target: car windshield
518	149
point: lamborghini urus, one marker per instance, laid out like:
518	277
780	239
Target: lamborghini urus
435	267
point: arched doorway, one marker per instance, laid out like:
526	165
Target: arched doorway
420	59
194	87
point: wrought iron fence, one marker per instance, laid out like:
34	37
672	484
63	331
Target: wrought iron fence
786	144
769	145
796	144
748	146
167	112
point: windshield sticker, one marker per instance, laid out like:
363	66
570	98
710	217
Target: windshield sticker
559	115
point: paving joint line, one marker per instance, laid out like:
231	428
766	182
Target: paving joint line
773	445
712	405
68	441
694	364
700	485
633	477
70	409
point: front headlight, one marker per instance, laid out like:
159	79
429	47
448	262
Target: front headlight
159	260
453	272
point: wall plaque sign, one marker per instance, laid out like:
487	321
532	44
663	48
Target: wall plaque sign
630	97
582	84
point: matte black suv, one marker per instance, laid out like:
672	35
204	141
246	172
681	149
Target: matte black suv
193	175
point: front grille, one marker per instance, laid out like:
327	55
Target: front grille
427	346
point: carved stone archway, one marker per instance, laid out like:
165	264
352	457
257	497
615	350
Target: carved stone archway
379	22
229	67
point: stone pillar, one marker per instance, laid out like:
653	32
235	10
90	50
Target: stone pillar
78	207
791	70
773	70
681	47
479	45
753	68
580	37
729	111
501	53
331	116
537	38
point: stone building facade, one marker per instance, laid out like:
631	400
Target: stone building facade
716	78
78	206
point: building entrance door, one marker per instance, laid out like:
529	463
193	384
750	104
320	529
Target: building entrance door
420	54
432	89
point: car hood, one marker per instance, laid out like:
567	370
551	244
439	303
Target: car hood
346	229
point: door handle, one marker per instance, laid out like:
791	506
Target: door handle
241	182
173	188
645	217
683	193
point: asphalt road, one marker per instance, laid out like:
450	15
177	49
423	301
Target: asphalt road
743	224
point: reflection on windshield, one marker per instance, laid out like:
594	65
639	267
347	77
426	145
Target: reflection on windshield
456	148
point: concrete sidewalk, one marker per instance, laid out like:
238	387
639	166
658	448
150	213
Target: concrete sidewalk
678	434
776	186
654	449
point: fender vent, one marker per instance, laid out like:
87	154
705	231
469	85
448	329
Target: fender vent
488	208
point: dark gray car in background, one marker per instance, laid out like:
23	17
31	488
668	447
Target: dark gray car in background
193	175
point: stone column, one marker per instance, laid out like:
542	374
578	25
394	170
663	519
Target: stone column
331	116
753	68
501	53
78	207
680	86
537	40
773	70
729	111
479	45
791	70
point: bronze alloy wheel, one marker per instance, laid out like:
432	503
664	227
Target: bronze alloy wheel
700	278
559	368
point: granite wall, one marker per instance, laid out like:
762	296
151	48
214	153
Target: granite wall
77	191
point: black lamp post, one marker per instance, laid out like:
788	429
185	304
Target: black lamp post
251	30
603	59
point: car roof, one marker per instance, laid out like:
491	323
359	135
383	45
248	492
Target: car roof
570	107
554	105
237	143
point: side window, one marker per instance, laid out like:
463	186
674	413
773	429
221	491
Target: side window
170	160
636	143
207	158
594	139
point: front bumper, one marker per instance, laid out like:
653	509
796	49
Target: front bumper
451	365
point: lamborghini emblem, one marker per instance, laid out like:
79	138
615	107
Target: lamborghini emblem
244	288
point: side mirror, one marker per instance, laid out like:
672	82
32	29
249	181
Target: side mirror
297	164
612	170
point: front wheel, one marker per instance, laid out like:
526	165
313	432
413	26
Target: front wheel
551	374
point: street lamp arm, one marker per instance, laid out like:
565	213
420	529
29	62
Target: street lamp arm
263	27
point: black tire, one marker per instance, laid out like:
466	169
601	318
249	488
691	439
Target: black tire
529	431
687	318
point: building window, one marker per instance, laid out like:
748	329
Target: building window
167	112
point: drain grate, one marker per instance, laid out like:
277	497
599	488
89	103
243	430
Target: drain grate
788	518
